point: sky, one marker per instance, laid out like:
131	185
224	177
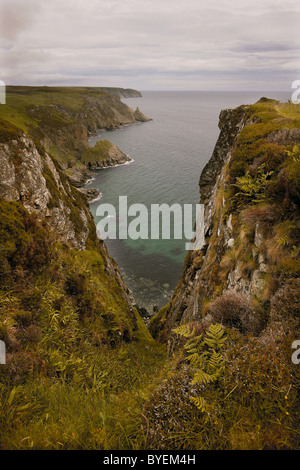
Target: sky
151	44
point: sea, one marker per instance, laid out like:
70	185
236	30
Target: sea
167	157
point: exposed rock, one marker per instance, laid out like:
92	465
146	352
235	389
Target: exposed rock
231	122
78	174
284	136
90	193
35	180
111	156
139	116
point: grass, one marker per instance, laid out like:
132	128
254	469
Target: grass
99	152
54	114
80	363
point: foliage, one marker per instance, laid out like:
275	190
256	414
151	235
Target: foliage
252	188
234	310
72	341
203	353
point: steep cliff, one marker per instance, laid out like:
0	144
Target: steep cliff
30	176
63	118
51	255
250	189
74	343
233	323
83	372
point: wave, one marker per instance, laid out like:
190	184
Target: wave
96	198
89	181
119	164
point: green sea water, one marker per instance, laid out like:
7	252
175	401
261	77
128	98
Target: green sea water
168	155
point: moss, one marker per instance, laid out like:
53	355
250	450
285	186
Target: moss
157	322
99	152
8	131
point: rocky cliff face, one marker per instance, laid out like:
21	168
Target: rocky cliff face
62	119
66	128
30	176
235	275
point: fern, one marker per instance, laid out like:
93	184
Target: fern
203	353
215	338
200	403
184	330
294	154
252	187
202	378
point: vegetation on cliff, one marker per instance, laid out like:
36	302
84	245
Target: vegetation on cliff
245	277
78	355
83	371
62	117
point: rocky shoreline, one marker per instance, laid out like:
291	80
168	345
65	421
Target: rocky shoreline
103	154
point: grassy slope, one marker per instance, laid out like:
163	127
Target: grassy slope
77	360
19	98
97	153
49	111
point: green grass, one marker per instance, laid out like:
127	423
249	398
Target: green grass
98	152
56	113
80	363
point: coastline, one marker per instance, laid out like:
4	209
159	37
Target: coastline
93	194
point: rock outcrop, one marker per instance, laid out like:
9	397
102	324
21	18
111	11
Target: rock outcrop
30	176
62	119
104	154
139	116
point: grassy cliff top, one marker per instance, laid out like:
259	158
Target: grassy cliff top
21	99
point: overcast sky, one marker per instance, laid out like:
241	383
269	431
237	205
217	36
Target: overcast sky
151	44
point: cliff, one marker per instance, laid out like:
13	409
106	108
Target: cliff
82	370
62	118
122	92
69	298
250	190
234	318
30	176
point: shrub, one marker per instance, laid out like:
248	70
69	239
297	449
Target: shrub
236	311
262	214
32	334
252	188
285	303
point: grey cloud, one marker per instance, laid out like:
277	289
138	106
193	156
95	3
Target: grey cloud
183	44
15	17
265	46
